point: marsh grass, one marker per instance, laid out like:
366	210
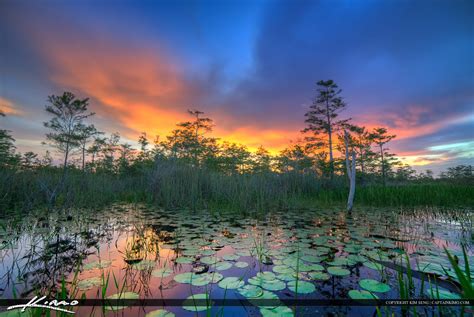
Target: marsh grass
173	185
463	276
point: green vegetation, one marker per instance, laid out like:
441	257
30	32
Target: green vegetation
191	169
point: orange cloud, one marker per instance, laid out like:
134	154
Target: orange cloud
144	91
409	124
8	107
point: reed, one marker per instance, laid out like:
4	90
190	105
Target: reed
174	185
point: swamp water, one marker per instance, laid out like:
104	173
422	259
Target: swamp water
127	251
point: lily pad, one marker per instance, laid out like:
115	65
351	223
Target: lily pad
124	295
184	260
208	252
230	257
241	265
311	258
283	269
268	284
250	291
338	271
356	294
222	266
89	283
266	295
144	265
231	283
97	265
301	287
374	286
243	253
163	272
338	261
184	278
209	260
160	313
321	276
310	267
280	311
201	280
191	304
215	276
373	265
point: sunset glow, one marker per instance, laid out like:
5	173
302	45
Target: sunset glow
143	67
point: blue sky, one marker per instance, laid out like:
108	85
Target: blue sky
251	65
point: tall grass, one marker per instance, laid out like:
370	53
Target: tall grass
173	185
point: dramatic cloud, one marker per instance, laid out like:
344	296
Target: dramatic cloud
252	67
7	107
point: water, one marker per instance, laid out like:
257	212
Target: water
128	245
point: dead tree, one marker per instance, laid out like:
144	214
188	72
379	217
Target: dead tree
351	172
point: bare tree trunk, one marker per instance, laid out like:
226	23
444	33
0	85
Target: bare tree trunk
383	165
331	158
66	155
351	173
83	157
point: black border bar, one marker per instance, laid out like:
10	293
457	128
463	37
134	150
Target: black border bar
250	302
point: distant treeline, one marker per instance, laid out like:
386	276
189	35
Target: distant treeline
191	169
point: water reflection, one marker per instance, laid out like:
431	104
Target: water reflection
142	250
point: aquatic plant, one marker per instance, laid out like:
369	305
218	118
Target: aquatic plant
463	276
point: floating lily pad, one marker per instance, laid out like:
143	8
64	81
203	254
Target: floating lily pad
310	267
124	295
374	286
144	265
230	257
163	272
338	262
201	279
241	265
338	271
283	269
191	304
160	313
243	253
97	265
89	283
191	252
209	260
273	284
215	276
250	291
292	262
231	283
373	265
184	260
356	258
321	276
311	258
208	252
280	311
222	266
289	276
266	275
266	295
301	287
184	278
356	294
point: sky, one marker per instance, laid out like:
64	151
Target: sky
252	66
